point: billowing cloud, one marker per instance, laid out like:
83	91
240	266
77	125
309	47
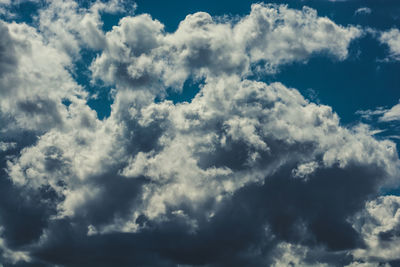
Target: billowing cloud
139	52
247	173
70	28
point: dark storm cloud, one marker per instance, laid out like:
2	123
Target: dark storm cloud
282	205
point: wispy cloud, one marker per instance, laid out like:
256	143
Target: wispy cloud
363	11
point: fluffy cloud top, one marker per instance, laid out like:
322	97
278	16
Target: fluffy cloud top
139	52
245	174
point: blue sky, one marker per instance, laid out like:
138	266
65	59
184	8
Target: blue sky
199	133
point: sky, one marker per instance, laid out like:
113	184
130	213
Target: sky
199	133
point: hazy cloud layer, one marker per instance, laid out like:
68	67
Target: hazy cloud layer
245	174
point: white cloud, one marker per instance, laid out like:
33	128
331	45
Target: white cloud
382	114
33	81
393	114
392	39
270	35
363	11
280	35
371	114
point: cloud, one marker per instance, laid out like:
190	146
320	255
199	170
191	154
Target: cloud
8	58
392	114
371	114
363	11
70	27
247	173
268	37
379	225
184	170
6	146
382	114
11	256
391	38
33	80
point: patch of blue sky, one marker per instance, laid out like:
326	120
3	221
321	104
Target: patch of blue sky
100	98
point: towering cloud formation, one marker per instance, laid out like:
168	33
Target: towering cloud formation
246	173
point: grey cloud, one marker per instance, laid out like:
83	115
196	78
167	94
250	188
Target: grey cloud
250	221
218	170
8	59
45	107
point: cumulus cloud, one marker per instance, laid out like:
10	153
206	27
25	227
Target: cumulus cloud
70	27
162	166
247	173
139	52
